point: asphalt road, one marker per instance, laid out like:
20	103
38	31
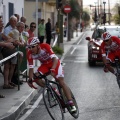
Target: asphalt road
96	92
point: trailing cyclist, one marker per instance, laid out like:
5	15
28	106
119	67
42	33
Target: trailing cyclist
110	48
49	63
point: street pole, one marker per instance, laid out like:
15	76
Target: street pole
67	27
109	10
104	19
36	18
36	63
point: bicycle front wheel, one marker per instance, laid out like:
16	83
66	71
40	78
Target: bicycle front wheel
52	104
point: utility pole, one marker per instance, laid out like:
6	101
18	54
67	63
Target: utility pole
104	17
109	10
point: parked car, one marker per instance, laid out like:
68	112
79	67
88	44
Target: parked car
94	42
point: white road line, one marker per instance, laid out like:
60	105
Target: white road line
35	105
77	44
80	39
73	50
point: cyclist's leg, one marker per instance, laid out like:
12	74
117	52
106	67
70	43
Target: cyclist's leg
42	69
60	78
110	59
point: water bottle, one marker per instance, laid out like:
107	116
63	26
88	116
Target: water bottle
57	92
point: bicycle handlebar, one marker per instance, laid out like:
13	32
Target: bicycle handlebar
36	79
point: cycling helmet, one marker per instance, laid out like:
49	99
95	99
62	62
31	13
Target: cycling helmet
106	36
33	41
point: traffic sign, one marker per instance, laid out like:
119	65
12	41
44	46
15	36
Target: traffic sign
67	8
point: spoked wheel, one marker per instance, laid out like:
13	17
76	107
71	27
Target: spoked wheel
76	113
52	105
118	80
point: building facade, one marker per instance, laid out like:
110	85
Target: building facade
10	7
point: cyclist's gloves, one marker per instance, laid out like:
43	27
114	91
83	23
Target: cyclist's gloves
30	83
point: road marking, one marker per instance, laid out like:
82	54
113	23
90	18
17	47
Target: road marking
77	44
80	39
35	105
73	50
76	61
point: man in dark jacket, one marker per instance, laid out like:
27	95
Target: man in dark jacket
48	31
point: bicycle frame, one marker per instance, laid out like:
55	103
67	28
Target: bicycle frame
60	97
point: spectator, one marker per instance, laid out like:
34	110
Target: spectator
3	44
23	19
65	27
48	31
9	65
25	32
17	35
32	29
17	16
41	31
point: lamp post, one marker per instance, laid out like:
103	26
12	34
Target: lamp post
104	18
95	13
119	13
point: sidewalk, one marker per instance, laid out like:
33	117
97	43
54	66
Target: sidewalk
15	101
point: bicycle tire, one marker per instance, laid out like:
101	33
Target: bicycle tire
118	81
52	104
74	114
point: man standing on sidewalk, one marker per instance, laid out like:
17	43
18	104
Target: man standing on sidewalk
48	31
41	31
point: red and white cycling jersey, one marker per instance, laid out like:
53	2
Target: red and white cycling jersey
45	57
112	50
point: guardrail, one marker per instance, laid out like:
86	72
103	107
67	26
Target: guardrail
9	57
55	38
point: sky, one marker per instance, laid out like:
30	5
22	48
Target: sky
92	2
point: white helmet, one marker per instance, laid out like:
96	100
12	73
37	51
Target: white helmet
106	36
33	41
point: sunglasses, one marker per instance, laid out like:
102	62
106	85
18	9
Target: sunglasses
106	41
31	47
33	26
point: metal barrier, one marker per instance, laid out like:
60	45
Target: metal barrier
55	38
9	57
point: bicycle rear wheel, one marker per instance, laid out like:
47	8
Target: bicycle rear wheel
76	113
52	104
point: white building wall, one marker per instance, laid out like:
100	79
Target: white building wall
4	8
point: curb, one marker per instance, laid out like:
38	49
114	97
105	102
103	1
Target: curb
15	111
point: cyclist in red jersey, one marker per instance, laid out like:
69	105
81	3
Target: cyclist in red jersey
110	48
49	62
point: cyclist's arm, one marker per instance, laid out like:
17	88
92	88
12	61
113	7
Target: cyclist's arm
30	73
103	53
55	61
30	63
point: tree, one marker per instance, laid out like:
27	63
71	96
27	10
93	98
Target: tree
116	17
85	17
75	13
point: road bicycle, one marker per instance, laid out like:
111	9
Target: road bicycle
117	66
55	100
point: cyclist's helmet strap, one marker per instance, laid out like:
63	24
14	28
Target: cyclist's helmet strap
106	36
33	41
